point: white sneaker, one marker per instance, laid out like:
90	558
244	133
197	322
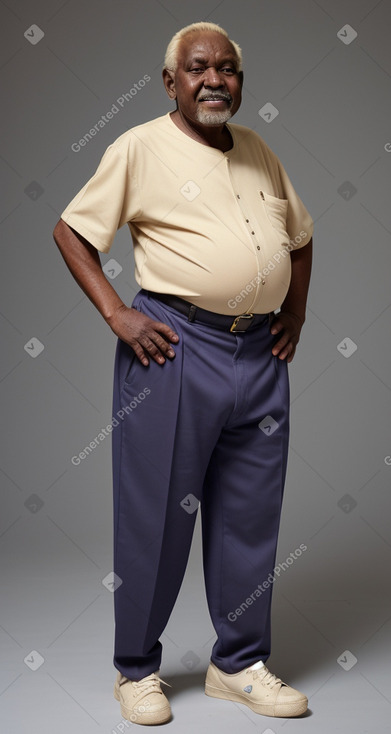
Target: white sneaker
256	687
143	701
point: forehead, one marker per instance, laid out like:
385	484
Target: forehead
205	45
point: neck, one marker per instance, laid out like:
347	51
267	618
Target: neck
215	136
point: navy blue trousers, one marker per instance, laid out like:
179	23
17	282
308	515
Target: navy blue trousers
188	432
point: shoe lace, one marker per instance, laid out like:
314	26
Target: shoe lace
150	684
265	676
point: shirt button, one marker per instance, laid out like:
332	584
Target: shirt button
252	232
263	282
258	248
247	220
238	196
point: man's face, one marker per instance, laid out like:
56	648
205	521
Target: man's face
206	83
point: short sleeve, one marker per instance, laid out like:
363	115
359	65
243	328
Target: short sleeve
299	223
107	201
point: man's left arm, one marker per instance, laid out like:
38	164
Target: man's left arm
290	319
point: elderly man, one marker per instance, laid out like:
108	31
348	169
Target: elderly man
221	243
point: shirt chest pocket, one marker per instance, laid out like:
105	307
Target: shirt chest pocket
276	211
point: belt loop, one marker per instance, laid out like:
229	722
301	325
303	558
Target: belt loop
192	312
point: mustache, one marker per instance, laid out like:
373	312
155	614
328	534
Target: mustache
215	95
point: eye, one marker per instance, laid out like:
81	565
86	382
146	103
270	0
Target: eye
228	70
196	70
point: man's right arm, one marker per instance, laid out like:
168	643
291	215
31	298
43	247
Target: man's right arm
147	337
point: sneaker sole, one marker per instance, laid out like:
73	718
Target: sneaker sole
284	710
144	717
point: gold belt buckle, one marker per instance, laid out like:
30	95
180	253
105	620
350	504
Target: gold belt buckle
246	317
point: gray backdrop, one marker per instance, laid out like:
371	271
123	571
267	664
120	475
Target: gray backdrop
326	68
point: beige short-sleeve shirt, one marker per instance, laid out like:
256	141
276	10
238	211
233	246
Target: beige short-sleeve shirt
213	228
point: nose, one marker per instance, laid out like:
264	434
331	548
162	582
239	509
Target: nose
212	78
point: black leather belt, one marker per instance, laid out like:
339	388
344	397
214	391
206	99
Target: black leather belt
244	322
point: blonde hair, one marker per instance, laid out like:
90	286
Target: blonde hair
171	56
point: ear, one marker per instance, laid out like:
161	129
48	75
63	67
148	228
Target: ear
169	83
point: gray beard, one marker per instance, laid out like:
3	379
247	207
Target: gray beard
206	117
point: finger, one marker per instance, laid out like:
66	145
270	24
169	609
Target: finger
151	349
166	330
140	353
286	352
157	347
276	327
281	344
164	346
292	354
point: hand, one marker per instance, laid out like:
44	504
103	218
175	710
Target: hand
290	326
143	334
